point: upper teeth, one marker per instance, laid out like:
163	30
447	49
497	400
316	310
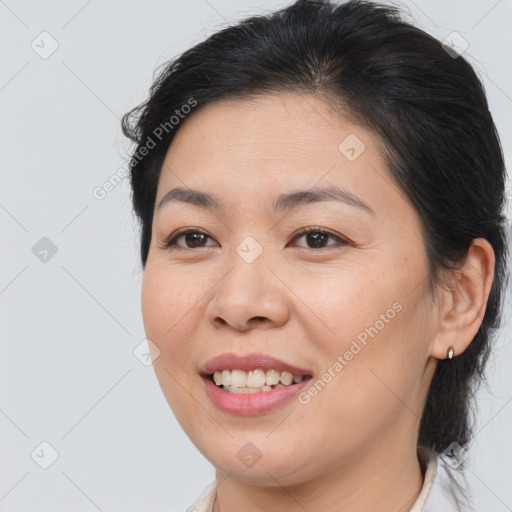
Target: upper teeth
254	378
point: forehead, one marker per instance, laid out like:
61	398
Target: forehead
284	123
241	147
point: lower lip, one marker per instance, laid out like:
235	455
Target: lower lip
248	404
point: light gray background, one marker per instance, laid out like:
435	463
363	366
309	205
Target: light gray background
70	325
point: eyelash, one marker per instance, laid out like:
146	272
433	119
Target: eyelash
170	243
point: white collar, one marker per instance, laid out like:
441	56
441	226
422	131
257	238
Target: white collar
436	494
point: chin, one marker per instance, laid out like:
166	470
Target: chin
262	461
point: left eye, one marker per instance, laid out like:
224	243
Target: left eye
317	237
195	239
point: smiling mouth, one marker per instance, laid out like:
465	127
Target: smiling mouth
254	381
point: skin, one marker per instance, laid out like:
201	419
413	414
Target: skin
353	446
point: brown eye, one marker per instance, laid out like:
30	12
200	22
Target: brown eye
317	238
193	239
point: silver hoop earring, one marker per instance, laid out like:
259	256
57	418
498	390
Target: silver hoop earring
449	354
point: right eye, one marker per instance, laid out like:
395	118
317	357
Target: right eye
193	237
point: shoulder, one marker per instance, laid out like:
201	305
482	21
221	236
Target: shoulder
439	492
204	502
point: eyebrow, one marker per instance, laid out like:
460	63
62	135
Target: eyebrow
284	202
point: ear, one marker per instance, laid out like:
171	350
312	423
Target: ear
464	300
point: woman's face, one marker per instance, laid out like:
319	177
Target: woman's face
349	307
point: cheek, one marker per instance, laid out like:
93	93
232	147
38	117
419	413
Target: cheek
342	306
165	306
168	292
167	324
367	336
156	305
378	377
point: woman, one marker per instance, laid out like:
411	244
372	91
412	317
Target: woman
321	195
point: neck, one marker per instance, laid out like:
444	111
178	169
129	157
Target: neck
385	478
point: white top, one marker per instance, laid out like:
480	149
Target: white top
436	494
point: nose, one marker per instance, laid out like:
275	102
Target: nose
249	295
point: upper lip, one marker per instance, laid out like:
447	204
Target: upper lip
231	361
